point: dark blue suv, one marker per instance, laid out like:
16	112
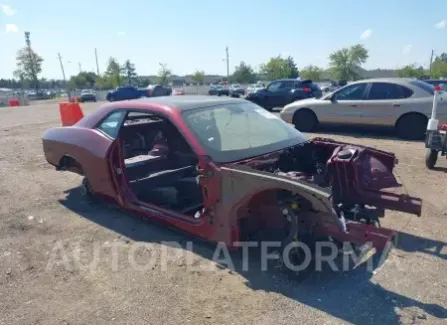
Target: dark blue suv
126	92
281	92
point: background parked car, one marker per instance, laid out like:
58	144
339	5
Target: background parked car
218	90
126	92
404	104
87	95
159	90
437	82
285	91
236	90
341	83
328	86
178	92
255	87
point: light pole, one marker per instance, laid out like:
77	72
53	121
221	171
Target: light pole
63	75
97	65
227	60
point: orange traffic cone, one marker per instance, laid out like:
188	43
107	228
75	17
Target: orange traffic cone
71	113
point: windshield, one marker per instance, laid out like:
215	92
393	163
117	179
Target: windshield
232	132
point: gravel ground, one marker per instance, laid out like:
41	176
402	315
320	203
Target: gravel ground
49	237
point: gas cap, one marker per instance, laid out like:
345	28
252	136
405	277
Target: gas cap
345	154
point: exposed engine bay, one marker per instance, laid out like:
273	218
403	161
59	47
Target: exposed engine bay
359	180
355	175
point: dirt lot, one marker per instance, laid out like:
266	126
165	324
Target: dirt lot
45	225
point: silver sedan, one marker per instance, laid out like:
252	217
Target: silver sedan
404	104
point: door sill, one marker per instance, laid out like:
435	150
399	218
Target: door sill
165	213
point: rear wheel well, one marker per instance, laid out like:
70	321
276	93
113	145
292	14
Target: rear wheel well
69	163
410	113
411	125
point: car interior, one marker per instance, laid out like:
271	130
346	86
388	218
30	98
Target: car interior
160	165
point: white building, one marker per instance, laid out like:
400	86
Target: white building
5	95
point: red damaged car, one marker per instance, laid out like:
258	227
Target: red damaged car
227	170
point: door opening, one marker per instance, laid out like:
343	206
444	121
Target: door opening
159	164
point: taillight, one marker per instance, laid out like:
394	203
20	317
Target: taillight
443	127
307	90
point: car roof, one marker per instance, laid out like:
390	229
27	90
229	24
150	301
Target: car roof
165	104
295	80
186	102
401	81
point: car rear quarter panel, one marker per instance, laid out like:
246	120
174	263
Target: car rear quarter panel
88	147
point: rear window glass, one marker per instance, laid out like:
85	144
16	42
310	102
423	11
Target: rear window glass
382	90
423	85
111	124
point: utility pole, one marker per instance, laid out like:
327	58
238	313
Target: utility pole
97	65
80	69
31	59
431	60
63	74
62	66
228	63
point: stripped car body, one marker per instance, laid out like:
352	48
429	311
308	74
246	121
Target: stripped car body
259	188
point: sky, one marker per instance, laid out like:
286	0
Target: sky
190	35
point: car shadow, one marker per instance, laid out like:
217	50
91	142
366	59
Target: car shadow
350	296
412	244
440	169
362	132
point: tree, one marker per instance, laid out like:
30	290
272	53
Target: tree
411	71
164	74
83	80
104	82
294	73
198	77
276	68
438	69
113	73
29	66
243	73
311	72
443	57
129	70
346	63
143	81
